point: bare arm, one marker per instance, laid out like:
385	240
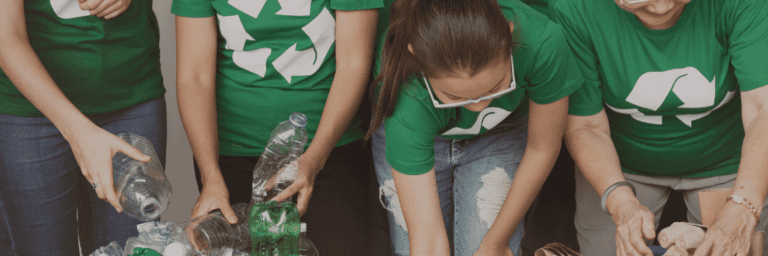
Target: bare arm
733	226
753	168
196	94
355	31
589	141
92	146
545	132
421	209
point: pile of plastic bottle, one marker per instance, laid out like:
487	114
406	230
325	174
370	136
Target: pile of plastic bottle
264	227
211	235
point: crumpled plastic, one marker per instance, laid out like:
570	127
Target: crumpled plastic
145	252
274	229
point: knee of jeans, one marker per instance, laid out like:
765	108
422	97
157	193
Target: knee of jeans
490	197
390	201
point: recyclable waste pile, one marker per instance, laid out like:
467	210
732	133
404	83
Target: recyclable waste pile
264	228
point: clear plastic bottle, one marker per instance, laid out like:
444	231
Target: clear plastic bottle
277	166
142	188
306	247
112	249
211	234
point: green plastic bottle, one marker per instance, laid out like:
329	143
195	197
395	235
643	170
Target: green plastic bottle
274	229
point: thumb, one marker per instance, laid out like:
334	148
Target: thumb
133	152
228	214
649	231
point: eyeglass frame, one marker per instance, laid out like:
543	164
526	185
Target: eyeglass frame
437	104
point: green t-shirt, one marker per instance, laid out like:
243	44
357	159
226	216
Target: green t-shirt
274	58
672	95
545	72
100	65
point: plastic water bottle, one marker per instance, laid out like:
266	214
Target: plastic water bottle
142	188
306	247
211	234
277	166
112	249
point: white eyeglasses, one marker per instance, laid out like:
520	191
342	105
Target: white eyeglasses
437	104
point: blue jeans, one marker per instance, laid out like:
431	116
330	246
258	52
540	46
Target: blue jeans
41	185
473	177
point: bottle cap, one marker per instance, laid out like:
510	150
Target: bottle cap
303	227
298	119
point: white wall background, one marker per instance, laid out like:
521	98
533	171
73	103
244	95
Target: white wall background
178	165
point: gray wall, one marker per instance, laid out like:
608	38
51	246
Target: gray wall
179	155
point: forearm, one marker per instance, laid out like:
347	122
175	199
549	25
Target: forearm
197	108
753	168
595	155
355	32
19	61
533	171
196	91
420	204
343	101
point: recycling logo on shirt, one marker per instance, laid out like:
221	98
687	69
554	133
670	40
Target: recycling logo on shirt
688	84
488	118
321	31
68	9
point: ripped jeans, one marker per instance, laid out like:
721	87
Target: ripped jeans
473	177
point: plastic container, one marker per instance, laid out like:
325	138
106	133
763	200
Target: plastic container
306	247
212	235
112	249
142	188
274	229
285	146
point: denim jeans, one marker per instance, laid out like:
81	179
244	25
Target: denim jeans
41	185
473	177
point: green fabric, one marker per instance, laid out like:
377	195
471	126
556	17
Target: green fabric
669	91
273	60
144	252
274	229
100	65
545	72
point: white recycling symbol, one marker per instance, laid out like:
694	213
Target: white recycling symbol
688	84
68	9
488	118
321	31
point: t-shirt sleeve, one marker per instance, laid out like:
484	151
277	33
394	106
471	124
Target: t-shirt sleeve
587	100
193	8
353	5
747	22
554	74
410	135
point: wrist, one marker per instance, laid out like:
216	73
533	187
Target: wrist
745	205
314	159
211	178
618	198
72	129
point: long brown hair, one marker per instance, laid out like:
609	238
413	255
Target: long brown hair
445	36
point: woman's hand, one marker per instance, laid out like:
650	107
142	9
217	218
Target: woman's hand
214	196
307	170
730	233
106	9
490	250
633	222
94	149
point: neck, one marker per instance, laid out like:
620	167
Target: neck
664	25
